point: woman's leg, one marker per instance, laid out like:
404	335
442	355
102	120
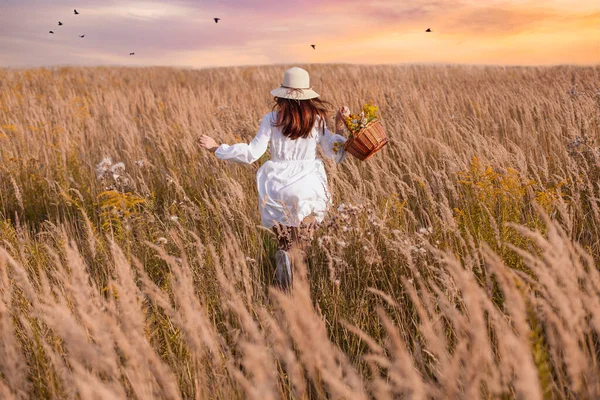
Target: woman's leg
302	236
288	238
284	236
283	270
299	237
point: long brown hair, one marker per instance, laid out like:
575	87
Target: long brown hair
296	118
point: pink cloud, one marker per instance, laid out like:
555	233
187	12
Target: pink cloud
181	32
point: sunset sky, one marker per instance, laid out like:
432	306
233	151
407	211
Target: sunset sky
183	33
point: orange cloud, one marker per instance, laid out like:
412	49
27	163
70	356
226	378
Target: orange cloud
503	33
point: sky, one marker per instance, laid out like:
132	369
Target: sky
257	32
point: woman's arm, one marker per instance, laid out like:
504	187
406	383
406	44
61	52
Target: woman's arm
333	144
245	153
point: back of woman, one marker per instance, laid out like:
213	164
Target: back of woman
303	148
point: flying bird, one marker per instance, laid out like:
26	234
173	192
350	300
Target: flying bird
75	12
52	32
59	23
131	54
217	20
428	30
81	36
313	46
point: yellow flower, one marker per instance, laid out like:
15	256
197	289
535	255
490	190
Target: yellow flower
9	128
370	111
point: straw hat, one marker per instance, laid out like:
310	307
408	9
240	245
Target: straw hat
295	85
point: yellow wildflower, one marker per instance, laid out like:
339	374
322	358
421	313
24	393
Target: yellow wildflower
336	147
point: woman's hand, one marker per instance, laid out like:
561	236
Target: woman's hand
208	143
340	118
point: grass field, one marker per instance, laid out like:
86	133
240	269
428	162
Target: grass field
459	262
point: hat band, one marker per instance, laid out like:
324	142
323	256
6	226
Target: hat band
293	88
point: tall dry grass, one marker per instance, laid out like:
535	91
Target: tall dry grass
460	262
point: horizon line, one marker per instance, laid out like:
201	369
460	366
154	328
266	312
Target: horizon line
181	67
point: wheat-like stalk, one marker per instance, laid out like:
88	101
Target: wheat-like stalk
459	262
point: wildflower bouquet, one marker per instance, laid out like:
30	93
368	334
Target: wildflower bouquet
366	134
356	122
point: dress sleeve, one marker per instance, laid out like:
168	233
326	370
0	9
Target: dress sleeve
328	142
247	153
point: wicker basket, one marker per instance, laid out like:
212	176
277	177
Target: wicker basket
368	141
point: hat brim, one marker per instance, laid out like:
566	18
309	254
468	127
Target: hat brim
295	94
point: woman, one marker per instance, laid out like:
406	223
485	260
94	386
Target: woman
292	186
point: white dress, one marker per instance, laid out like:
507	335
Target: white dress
293	183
